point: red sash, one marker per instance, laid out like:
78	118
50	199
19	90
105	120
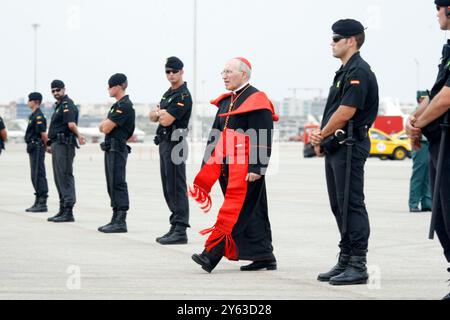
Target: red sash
235	147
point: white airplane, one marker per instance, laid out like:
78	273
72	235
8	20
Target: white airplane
93	135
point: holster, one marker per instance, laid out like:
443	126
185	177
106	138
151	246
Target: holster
70	139
115	145
33	145
330	145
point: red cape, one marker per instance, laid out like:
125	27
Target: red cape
257	101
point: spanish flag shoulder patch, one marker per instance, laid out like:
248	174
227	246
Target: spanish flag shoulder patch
119	111
355	82
180	104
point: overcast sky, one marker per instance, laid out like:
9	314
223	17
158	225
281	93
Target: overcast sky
288	42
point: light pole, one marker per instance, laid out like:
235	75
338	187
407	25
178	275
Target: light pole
35	27
418	73
194	87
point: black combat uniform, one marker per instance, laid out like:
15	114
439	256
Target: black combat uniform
2	143
433	133
37	124
116	154
63	143
173	154
354	85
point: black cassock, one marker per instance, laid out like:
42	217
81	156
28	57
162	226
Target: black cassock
240	143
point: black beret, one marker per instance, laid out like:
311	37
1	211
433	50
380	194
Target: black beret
35	96
174	63
348	27
58	84
117	80
442	3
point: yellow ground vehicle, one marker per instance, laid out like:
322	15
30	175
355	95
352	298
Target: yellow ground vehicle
386	147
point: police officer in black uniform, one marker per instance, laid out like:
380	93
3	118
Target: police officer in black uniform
173	115
118	128
351	109
3	135
63	134
36	140
432	121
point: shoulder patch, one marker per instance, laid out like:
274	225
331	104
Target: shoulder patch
355	82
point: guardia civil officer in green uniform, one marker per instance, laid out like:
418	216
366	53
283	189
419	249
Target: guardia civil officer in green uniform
432	121
173	115
3	135
351	109
118	129
63	135
419	187
36	140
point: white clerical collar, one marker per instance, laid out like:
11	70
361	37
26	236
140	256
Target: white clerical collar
240	88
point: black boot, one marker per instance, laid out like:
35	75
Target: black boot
178	236
355	273
41	206
59	214
337	269
172	230
117	225
208	261
33	206
113	221
67	216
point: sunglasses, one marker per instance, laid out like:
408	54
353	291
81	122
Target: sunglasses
337	38
56	90
172	71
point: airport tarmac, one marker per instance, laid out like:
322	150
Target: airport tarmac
42	260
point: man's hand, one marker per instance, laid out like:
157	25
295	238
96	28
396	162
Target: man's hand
412	132
416	144
49	150
81	140
154	114
316	138
318	151
252	177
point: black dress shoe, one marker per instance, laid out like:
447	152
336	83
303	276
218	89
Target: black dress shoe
203	262
426	210
269	265
414	210
208	261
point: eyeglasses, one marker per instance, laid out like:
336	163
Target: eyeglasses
226	72
337	38
56	90
172	71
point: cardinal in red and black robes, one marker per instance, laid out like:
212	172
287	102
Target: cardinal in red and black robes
237	156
